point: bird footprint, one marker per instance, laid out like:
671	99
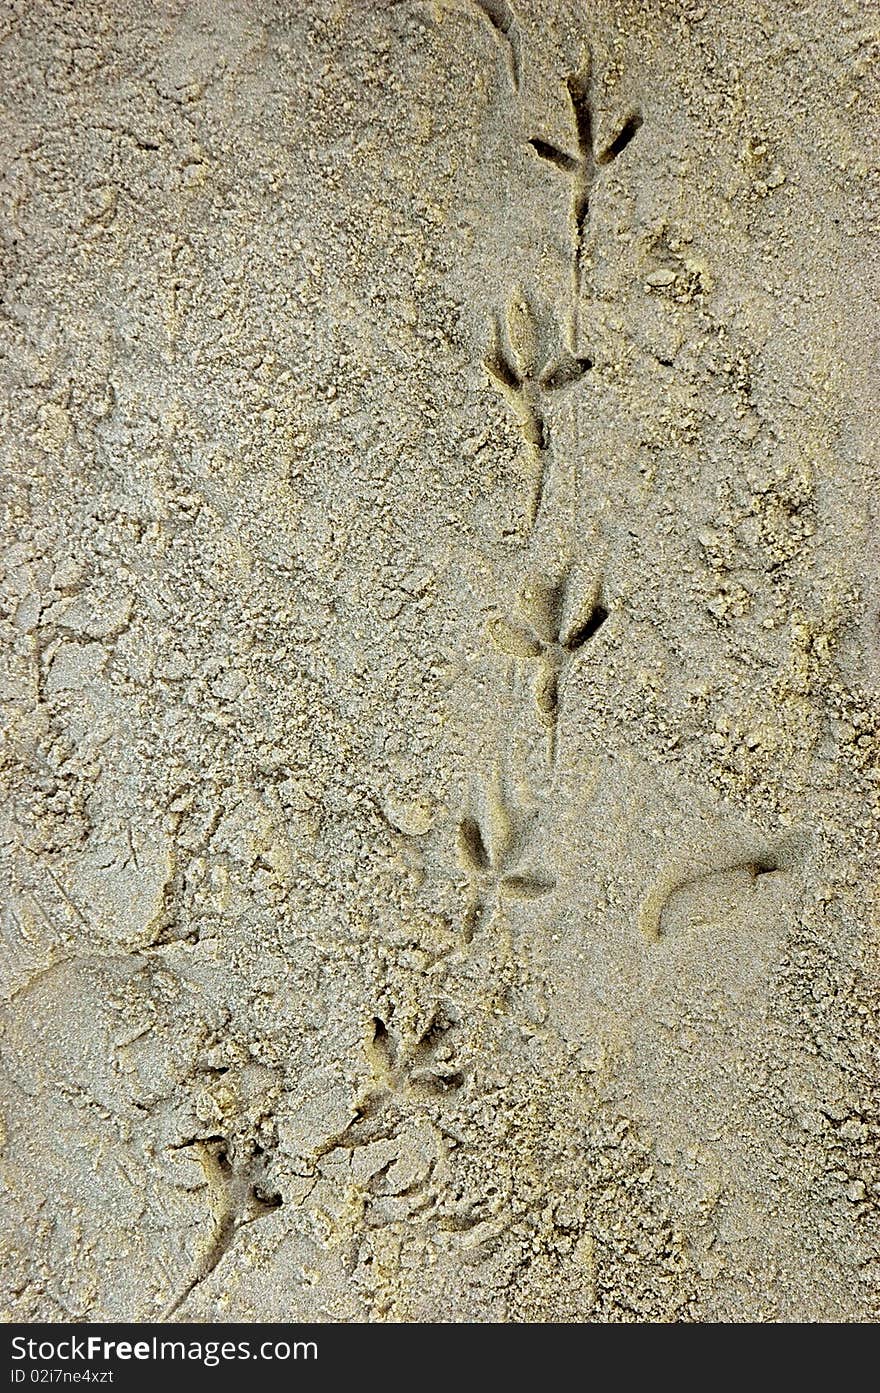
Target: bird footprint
559	620
524	371
494	852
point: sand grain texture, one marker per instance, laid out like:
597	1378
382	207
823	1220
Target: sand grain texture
441	753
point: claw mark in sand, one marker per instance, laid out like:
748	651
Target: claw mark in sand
493	851
581	168
237	1195
500	18
558	622
524	371
786	857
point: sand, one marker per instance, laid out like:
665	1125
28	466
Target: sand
441	752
